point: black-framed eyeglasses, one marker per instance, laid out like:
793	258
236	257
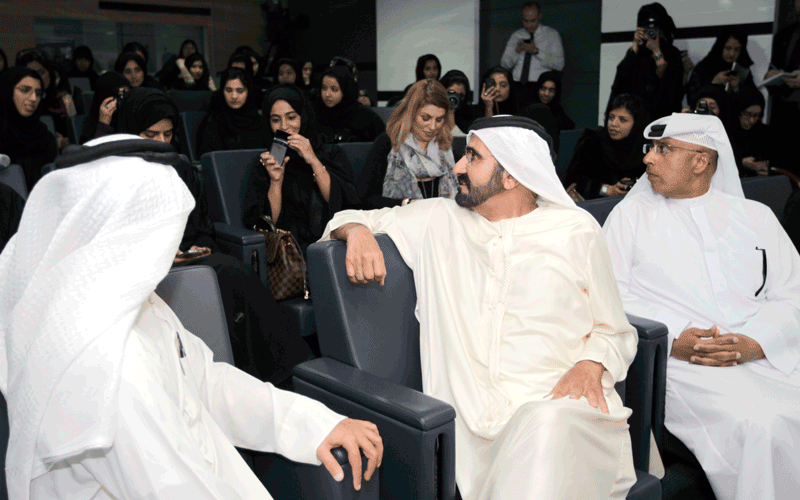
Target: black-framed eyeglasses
27	89
663	148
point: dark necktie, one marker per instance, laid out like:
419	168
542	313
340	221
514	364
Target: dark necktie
526	68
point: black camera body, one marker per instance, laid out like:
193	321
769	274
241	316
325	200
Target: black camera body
702	108
456	99
651	29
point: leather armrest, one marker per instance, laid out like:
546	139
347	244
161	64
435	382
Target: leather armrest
238	235
398	402
647	328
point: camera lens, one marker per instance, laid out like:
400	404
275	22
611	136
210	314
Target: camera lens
455	99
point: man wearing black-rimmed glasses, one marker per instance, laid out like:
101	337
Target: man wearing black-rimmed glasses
720	272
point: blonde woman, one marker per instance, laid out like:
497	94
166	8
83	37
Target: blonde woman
413	160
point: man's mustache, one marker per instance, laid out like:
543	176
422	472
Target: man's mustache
463	179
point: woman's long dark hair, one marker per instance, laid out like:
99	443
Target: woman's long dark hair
420	70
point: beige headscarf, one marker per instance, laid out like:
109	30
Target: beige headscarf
93	243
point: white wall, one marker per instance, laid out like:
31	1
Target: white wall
408	29
621	16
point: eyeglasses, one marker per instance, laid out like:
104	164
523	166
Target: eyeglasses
27	89
664	148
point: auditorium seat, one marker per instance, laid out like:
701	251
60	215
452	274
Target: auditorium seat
773	191
75	124
225	175
14	177
356	153
190	124
459	147
81	82
49	123
568	140
371	369
191	100
384	113
87	101
600	207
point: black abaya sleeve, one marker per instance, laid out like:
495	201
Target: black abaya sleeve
370	181
585	166
255	202
11	205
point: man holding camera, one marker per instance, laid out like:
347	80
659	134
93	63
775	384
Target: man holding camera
652	68
532	50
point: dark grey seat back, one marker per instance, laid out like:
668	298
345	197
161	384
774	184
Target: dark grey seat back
225	176
370	327
14	177
773	191
356	153
459	147
191	100
190	121
193	295
600	207
568	139
384	113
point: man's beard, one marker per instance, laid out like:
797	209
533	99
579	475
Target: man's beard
477	195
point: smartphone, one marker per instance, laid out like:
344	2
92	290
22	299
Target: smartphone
194	251
628	184
279	145
489	83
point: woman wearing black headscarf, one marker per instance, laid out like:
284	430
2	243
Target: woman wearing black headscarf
730	47
340	117
170	71
498	99
194	75
23	137
428	67
308	80
457	82
51	105
313	183
137	48
234	121
83	65
133	67
265	344
287	71
101	120
548	92
652	68
751	135
605	159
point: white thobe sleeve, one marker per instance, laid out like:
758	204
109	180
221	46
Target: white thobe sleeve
551	52
776	326
510	56
254	414
406	226
612	340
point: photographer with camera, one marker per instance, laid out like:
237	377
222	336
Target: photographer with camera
458	91
652	68
102	117
608	161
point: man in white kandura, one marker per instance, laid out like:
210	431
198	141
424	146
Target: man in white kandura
518	308
108	395
719	270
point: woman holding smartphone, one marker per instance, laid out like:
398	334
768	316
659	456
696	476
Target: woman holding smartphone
497	95
302	190
607	161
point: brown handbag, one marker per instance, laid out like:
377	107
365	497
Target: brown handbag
287	273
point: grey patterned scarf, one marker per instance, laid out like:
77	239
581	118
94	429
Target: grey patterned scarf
409	163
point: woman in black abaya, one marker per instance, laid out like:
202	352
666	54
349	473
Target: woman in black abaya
341	118
315	181
606	157
23	137
102	117
264	341
234	121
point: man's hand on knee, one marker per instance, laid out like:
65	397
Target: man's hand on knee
583	379
355	436
364	260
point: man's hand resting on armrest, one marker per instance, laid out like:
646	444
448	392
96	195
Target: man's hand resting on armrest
354	436
364	259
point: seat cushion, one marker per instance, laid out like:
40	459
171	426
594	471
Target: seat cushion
303	311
